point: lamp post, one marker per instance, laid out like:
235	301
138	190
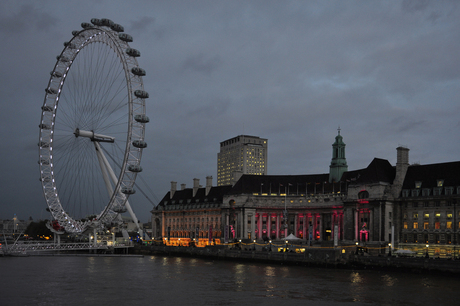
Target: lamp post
356	252
389	249
426	255
254	245
285	246
179	241
240	244
270	249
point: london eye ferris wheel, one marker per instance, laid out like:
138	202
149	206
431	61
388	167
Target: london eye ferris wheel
92	128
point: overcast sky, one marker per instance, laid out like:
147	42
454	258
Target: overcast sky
386	72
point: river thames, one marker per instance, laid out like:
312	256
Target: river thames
158	280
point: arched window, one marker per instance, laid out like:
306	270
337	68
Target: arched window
363	194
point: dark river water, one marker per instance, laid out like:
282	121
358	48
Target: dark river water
157	280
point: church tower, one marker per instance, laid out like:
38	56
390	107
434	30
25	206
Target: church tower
339	162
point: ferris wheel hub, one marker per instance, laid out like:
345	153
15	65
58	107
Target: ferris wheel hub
93	136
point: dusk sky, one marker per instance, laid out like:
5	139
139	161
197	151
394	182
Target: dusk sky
386	72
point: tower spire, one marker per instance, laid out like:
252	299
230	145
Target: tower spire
339	162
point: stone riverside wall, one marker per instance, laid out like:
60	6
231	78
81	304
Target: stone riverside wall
411	264
331	258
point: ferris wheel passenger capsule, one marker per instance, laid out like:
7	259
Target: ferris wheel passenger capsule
44	126
56	74
96	22
69	45
135	168
138	71
133	52
125	37
141	94
142	118
62	58
86	25
51	91
140	144
107	22
117	28
127	190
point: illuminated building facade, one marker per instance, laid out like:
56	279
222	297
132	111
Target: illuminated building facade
240	155
430	212
190	214
380	207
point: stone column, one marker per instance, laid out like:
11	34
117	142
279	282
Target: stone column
370	225
356	226
278	226
296	224
320	228
261	218
305	225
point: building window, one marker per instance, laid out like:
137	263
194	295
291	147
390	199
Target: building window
415	215
416	225
425	192
426	225
415	192
418	184
405	193
449	215
426	215
449	190
437	191
405	225
437	225
437	215
440	183
449	225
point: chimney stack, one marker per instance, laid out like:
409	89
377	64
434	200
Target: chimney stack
182	186
402	163
208	184
196	185
173	188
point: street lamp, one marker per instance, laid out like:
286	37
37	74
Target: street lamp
285	247
254	245
270	245
389	249
426	256
240	244
356	252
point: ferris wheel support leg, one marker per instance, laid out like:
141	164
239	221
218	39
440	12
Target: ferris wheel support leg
105	175
95	238
105	167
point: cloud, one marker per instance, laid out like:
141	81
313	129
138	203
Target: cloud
15	20
199	63
141	24
387	73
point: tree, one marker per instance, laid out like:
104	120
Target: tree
37	229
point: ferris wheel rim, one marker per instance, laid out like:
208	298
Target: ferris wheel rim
108	34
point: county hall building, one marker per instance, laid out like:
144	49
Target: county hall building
378	207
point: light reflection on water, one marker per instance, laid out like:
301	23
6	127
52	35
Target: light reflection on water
191	281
